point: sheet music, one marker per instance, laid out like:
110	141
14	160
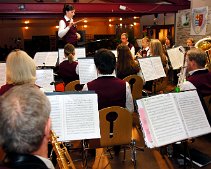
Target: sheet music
75	116
164	119
79	53
3	74
46	58
176	57
44	79
87	70
157	64
147	69
193	114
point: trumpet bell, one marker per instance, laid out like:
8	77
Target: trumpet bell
204	44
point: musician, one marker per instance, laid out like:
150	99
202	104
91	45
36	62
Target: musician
126	65
190	42
124	41
145	51
20	69
68	69
111	91
25	128
199	77
67	28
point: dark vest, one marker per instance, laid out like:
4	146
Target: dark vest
201	79
111	91
130	45
23	161
70	36
67	71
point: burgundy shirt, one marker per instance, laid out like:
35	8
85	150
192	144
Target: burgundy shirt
67	71
5	88
201	79
111	91
70	36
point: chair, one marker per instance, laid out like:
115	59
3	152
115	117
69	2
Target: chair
136	85
74	86
115	129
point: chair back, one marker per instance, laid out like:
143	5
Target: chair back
74	86
136	85
115	126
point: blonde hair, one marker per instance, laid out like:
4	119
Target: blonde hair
156	49
20	68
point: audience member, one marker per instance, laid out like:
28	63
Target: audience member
111	91
68	69
124	41
20	69
126	65
25	128
145	51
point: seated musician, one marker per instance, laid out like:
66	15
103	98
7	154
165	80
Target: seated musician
20	69
199	77
111	91
68	69
25	128
124	41
145	51
126	65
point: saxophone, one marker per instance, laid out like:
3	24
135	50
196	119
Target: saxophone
63	158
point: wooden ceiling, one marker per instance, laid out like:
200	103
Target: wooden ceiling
89	8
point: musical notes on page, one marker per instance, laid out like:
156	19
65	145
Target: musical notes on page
46	58
3	74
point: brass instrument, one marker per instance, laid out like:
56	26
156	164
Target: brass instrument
63	158
205	45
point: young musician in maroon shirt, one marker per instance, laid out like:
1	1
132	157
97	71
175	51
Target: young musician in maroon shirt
111	91
67	28
68	69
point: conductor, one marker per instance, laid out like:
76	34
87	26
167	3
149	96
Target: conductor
67	28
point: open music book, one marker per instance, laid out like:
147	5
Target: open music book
44	79
79	53
176	57
168	118
46	58
3	74
151	68
74	115
87	70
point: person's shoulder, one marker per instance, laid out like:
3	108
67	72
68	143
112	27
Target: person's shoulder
5	88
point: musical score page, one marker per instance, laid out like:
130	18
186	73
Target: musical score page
3	74
158	66
46	58
192	112
147	69
164	119
44	79
176	57
87	70
80	53
75	116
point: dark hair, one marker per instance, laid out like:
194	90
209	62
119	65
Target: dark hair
105	61
67	8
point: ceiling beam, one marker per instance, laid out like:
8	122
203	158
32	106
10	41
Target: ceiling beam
43	10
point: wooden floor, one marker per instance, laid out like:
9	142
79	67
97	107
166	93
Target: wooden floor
149	159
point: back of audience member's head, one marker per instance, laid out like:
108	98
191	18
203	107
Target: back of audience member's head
69	49
197	55
20	68
24	114
105	61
